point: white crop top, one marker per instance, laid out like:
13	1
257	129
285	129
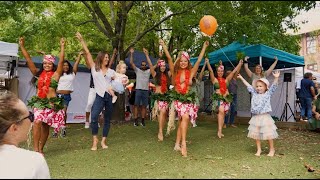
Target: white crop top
66	82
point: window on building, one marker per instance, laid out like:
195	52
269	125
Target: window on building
311	45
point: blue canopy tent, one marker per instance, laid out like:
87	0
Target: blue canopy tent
259	54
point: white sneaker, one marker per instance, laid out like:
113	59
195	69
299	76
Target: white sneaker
114	99
86	125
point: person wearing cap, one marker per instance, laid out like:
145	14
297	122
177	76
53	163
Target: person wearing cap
15	127
142	89
183	100
161	76
221	98
261	124
47	107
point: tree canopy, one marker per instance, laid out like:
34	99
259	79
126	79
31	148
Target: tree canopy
123	24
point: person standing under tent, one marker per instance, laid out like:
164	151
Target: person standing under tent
182	73
142	89
102	76
65	87
48	108
307	95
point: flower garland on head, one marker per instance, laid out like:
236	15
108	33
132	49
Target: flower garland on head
44	83
164	86
186	82
221	80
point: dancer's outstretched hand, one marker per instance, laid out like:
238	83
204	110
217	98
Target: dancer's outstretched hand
239	76
145	51
206	44
161	42
21	41
62	41
79	36
276	74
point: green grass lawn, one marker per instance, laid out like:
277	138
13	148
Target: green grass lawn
134	152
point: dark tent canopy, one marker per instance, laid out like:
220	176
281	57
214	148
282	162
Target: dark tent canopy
257	53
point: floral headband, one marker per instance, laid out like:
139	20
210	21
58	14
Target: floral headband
186	55
49	58
220	66
161	63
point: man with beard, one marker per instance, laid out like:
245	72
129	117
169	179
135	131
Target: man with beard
142	89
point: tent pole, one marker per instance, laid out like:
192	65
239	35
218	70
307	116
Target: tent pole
260	60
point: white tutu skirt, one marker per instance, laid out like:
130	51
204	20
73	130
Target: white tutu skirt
262	127
117	86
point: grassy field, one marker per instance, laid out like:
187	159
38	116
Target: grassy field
134	152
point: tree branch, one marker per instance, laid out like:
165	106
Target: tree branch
129	6
82	23
95	19
103	18
157	24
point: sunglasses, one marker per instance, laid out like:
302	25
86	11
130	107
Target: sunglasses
31	117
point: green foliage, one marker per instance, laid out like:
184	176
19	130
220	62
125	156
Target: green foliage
54	103
240	55
190	97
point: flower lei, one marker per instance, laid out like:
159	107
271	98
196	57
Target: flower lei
223	86
163	83
44	83
186	82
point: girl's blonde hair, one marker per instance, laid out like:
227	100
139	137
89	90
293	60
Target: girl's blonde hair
121	62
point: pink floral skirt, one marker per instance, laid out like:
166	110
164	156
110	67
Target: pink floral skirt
187	108
163	105
50	117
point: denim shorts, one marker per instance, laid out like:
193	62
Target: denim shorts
142	97
66	99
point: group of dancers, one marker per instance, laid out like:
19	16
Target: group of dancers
50	102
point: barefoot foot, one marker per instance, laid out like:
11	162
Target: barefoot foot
184	150
160	137
258	153
271	153
177	147
94	145
103	145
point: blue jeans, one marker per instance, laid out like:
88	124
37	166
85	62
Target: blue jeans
97	107
232	111
306	107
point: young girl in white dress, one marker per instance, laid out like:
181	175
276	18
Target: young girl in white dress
262	126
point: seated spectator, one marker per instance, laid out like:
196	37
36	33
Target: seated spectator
15	126
314	122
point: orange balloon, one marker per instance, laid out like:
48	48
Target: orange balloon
208	25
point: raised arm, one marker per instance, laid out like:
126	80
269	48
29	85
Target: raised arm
131	59
26	55
196	65
210	72
165	49
76	64
202	70
61	59
152	71
246	68
113	57
86	50
235	70
243	80
269	71
276	77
